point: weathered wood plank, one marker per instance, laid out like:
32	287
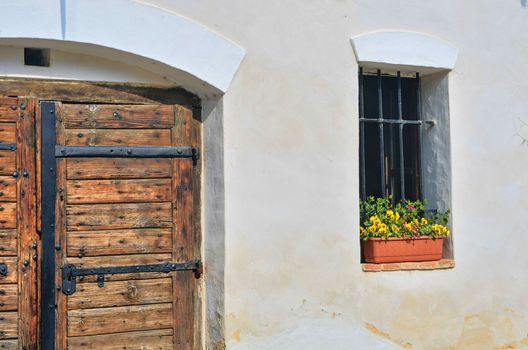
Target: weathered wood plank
38	163
8	298
12	270
147	340
122	260
118	116
9	325
8	109
119	319
122	168
8	217
8	242
90	92
183	231
118	191
26	225
114	216
7	189
121	293
198	285
118	137
11	344
7	132
130	241
7	162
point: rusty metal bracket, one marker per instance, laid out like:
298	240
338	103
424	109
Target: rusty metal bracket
70	272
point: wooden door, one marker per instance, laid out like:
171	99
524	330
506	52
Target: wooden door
122	207
18	236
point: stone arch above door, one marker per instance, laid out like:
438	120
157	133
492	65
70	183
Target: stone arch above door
165	43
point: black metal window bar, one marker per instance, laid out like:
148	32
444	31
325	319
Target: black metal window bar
390	120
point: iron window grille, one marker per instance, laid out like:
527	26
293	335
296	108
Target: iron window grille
390	135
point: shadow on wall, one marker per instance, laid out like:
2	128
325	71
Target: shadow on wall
524	3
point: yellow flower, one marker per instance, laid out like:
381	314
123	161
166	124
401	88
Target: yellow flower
372	228
395	228
397	216
375	219
361	231
440	230
424	221
382	230
408	226
390	214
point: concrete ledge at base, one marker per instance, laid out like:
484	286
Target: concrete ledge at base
406	266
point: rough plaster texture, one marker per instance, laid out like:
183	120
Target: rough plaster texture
287	226
436	146
214	221
30	19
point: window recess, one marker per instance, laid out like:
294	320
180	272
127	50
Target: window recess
390	135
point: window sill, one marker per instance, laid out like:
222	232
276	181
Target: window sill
406	266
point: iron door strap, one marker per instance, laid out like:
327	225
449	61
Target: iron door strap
70	272
3	269
7	146
48	171
128	152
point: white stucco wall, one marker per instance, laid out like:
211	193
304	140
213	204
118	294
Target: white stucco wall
293	278
292	274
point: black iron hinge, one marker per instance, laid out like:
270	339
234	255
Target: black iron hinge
7	146
128	152
70	272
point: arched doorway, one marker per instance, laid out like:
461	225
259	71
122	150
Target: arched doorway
88	219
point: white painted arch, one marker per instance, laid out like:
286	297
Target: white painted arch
124	30
404	49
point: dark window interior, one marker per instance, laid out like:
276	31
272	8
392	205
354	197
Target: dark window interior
388	122
36	57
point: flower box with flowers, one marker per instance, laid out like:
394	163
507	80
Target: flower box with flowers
401	232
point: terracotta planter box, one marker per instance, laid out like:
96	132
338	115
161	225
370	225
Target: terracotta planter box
381	250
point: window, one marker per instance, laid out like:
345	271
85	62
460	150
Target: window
404	119
390	135
36	57
404	138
